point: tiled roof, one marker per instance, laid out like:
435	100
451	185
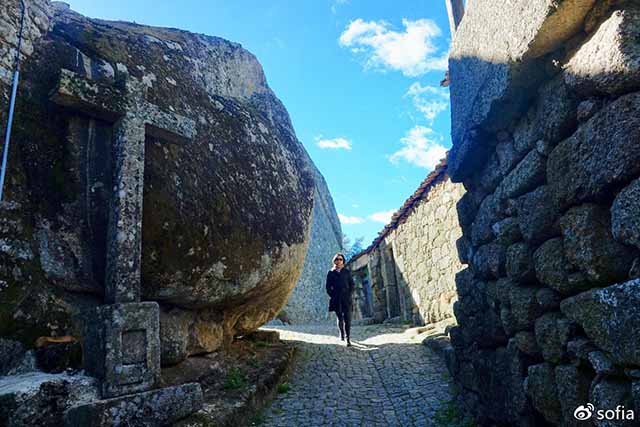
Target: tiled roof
438	175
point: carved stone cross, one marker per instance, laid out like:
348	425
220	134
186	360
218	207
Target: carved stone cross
121	338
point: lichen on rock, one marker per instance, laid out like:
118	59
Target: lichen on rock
226	216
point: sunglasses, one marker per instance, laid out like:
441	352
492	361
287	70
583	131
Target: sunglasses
340	259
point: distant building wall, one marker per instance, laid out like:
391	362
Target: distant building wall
411	266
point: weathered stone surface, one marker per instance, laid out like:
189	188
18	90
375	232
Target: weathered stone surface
503	289
600	156
476	308
607	315
174	336
543	147
465	250
36	24
526	176
551	119
609	61
586	109
468	155
607	393
553	332
464	281
548	299
507	320
518	407
222	255
154	408
186	333
508	157
541	388
634	272
580	347
526	343
625	215
589	245
488	213
489	260
39	399
11	353
467	210
524	307
602	363
488	79
495	369
121	347
507	231
491	175
573	390
552	268
537	216
519	264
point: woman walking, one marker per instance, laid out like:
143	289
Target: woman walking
340	288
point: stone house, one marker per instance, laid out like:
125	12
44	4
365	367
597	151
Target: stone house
408	272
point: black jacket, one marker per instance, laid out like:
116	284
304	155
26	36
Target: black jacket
340	287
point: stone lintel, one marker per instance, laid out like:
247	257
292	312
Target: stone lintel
169	127
122	347
93	98
152	408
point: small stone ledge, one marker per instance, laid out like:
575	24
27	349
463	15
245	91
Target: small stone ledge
151	408
236	383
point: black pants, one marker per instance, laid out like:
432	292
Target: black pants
344	321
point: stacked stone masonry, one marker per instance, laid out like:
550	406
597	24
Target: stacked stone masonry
546	143
409	271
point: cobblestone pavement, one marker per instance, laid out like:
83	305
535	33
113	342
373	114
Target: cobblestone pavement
387	378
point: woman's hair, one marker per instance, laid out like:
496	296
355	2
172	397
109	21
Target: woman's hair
339	254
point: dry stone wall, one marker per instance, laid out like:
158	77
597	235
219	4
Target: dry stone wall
426	255
411	270
548	303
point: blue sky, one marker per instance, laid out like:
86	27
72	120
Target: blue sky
360	79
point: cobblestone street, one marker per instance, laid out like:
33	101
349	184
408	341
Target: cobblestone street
387	378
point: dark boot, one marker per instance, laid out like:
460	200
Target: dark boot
348	342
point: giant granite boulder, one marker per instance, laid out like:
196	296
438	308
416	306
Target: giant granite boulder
226	210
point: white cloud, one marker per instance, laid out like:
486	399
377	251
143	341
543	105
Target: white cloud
429	100
383	216
420	148
350	219
335	143
413	52
336	3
